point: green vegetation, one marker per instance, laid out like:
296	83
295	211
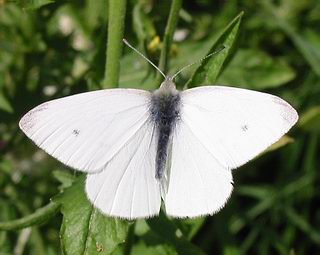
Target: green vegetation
50	49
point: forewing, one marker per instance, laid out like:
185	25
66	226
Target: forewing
87	130
127	187
233	124
198	184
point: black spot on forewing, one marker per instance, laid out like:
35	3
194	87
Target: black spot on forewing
76	132
244	128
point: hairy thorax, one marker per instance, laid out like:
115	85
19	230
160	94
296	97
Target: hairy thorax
165	112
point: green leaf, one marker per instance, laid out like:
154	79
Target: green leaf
142	25
307	47
5	215
284	140
169	232
155	249
231	250
310	120
210	68
5	104
149	241
255	69
33	4
65	178
257	192
263	205
84	229
190	227
303	224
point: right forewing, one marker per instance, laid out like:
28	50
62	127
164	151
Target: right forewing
87	130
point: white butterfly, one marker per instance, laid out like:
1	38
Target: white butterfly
138	146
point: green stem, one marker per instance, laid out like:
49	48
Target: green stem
117	13
130	239
39	216
168	37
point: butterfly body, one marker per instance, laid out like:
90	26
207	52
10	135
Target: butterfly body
165	110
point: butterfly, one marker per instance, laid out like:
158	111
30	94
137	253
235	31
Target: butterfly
139	147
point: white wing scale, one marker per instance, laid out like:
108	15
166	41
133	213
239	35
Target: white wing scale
127	188
112	138
107	131
234	124
220	128
85	131
198	183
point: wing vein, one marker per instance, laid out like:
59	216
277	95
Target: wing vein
121	179
204	145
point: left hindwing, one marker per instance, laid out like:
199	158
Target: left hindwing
233	124
127	187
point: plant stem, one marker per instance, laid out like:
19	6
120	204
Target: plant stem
36	218
168	37
117	13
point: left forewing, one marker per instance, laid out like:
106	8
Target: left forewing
234	124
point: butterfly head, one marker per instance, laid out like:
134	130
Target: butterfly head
168	87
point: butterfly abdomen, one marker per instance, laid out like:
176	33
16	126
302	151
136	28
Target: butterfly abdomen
165	110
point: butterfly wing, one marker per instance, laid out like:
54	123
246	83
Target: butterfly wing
198	184
127	187
220	128
234	124
87	130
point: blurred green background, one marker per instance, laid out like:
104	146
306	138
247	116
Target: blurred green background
49	49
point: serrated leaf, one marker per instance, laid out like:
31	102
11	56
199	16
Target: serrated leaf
84	230
255	69
210	68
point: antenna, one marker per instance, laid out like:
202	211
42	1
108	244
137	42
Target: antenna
143	56
198	61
